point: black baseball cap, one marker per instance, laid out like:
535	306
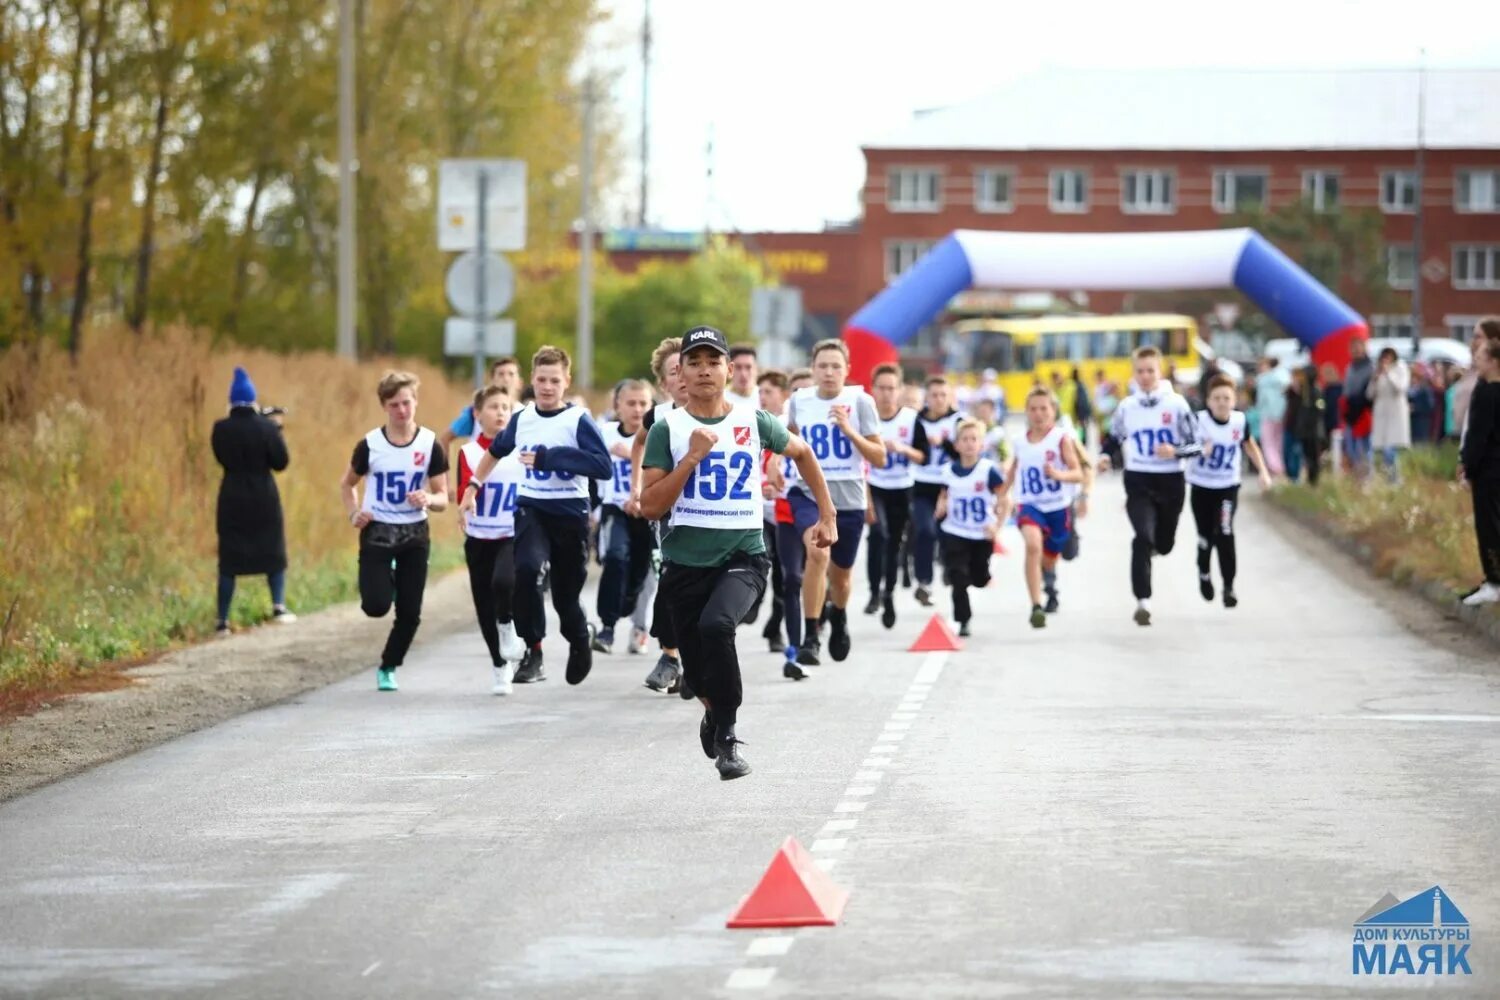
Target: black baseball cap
705	336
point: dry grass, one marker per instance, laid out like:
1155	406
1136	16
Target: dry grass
108	486
1421	529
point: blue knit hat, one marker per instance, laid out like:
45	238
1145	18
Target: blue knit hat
241	390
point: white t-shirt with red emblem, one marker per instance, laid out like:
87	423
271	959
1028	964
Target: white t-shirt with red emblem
1219	465
897	473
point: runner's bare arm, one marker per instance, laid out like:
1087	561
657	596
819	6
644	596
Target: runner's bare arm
662	488
350	498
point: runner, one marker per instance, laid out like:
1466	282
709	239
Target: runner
1156	428
410	477
773	388
561	449
625	543
703	463
838	422
666	366
1048	463
790	550
938	422
505	373
743	376
891	489
489	536
1215	478
971	507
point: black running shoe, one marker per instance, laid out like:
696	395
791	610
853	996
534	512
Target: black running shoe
729	762
530	671
1206	587
581	658
873	604
1038	616
604	641
839	639
792	672
663	676
1230	600
706	734
888	611
1051	606
1142	616
963	630
807	654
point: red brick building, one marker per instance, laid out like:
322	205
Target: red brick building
1106	151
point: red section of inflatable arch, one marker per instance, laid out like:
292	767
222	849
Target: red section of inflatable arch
1334	348
866	350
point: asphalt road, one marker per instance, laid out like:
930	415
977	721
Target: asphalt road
1197	809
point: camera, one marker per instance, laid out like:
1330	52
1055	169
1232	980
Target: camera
272	411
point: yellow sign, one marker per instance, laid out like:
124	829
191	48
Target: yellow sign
798	261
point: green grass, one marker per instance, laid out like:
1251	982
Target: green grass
155	609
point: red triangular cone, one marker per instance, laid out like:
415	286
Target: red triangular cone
794	892
935	637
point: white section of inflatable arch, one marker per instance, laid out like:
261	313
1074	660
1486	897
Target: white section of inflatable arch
1103	261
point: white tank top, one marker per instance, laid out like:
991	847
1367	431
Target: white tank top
394	472
939	432
1218	467
1032	486
615	490
495	504
897	473
840	460
1146	427
971	505
724	491
558	430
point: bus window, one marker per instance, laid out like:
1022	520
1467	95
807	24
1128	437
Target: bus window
1078	346
1096	344
1025	357
1151	338
1118	344
993	350
1179	341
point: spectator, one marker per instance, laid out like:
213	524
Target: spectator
1247	403
1083	407
1422	402
1480	466
1451	423
1291	451
1066	393
252	541
1270	400
1391	428
1333	394
1308	430
1357	415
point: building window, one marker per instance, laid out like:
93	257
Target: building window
1391	326
1476	266
1147	192
1476	190
1400	265
1068	190
1240	190
994	189
1461	327
913	189
1321	189
900	255
1398	191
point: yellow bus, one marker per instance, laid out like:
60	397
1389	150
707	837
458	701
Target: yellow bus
1028	349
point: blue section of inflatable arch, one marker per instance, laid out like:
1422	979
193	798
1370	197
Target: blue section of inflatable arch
1107	261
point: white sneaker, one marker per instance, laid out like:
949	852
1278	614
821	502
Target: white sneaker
502	680
1488	593
640	641
281	616
512	647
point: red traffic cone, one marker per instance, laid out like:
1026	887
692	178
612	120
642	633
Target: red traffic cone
937	636
794	892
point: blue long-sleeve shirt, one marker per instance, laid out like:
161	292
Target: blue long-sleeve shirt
589	459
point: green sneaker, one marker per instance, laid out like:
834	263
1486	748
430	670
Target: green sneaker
385	679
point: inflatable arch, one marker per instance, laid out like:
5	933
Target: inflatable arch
1214	258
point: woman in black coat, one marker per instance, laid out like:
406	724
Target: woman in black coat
251	540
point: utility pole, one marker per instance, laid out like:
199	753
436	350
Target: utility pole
585	337
1416	236
640	219
344	334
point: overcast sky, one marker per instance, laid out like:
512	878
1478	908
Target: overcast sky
789	89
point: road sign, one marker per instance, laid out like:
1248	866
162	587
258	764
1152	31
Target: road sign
776	312
461	337
480	285
458	204
1434	269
